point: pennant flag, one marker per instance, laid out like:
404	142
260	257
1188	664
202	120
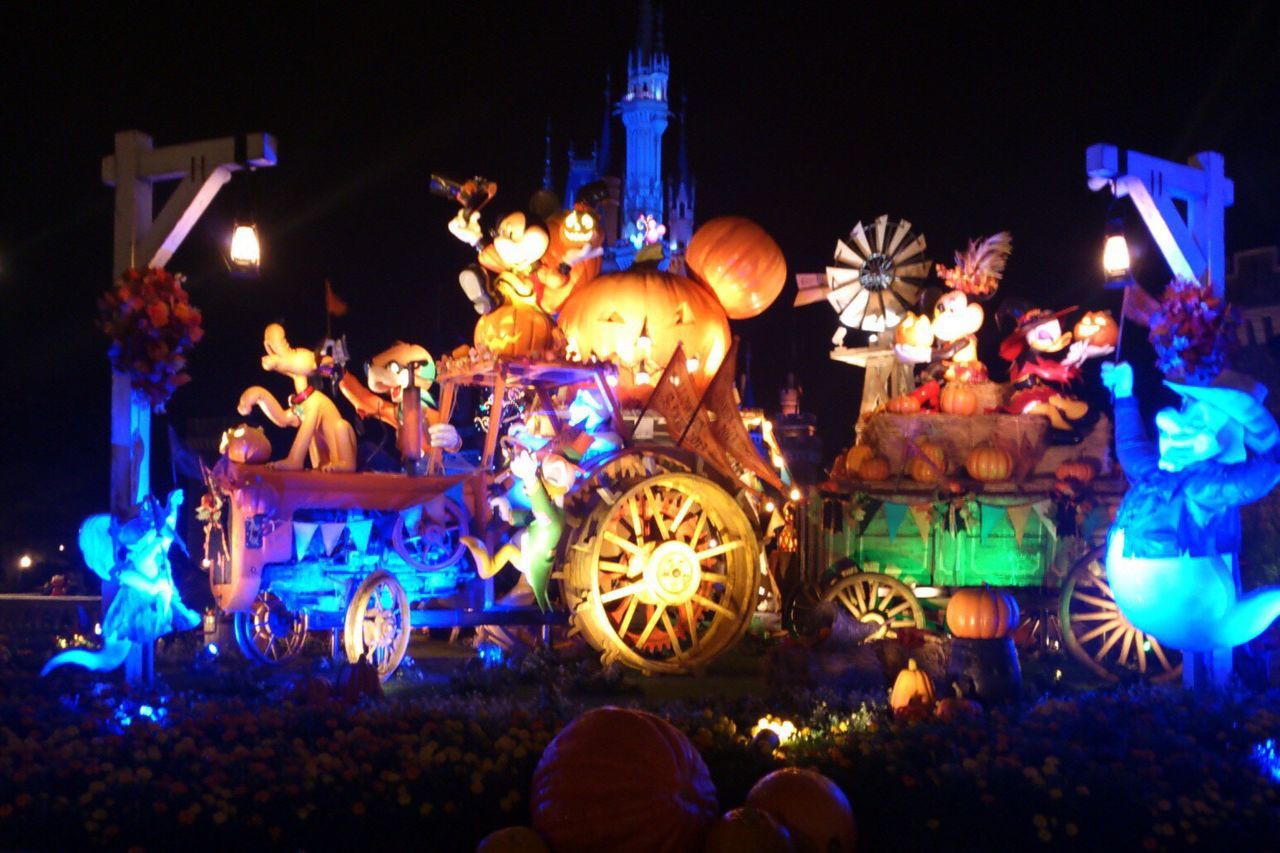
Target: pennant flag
1095	519
1018	516
990	517
332	304
720	401
922	515
870	507
303	533
1138	305
330	533
675	398
894	513
1044	512
360	529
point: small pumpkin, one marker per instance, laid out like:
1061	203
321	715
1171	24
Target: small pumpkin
513	839
857	454
956	707
982	613
989	464
589	792
912	687
930	465
1097	329
904	405
748	830
1081	470
958	398
740	262
517	330
915	330
246	443
874	469
812	808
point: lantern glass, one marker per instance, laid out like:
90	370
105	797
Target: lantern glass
246	253
1115	256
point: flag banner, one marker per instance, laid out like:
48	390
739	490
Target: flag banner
869	508
1018	516
922	515
720	402
675	398
330	533
332	304
894	513
1138	305
991	516
360	529
1044	511
303	533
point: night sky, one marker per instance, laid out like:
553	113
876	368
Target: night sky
966	122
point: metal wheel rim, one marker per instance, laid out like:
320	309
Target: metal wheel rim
378	621
404	542
882	599
608	577
256	635
1099	636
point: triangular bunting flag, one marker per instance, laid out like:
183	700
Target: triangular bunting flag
894	513
1095	519
990	518
303	532
869	509
1044	512
1018	516
330	533
922	515
360	529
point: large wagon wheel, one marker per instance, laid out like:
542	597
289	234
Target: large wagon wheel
665	575
430	536
1098	635
378	623
269	632
878	599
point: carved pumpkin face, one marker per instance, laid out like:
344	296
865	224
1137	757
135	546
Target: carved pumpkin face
740	262
1097	328
513	331
915	330
955	317
569	230
636	318
518	243
245	443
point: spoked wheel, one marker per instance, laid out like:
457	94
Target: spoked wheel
378	623
877	599
430	536
665	576
269	632
1098	635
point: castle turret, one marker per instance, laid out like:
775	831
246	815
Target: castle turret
681	196
644	112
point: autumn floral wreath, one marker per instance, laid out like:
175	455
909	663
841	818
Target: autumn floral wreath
1192	332
152	326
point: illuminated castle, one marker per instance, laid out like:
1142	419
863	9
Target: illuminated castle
643	190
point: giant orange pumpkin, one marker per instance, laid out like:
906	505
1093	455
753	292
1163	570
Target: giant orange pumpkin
929	465
515	330
741	263
812	808
958	398
982	613
989	464
622	780
607	317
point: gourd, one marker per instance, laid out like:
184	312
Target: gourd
912	687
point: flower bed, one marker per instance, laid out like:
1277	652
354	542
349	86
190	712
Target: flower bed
1122	769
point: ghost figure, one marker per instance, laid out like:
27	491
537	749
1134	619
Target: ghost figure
1172	550
147	605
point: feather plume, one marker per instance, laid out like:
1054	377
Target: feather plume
978	270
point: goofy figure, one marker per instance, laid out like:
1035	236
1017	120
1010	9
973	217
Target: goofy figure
1171	554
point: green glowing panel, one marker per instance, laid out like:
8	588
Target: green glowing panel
965	560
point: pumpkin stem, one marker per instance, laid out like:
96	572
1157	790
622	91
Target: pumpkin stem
911	664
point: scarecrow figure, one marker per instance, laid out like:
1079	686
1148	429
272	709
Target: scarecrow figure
1171	554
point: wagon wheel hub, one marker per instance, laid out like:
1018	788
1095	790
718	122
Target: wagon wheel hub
673	573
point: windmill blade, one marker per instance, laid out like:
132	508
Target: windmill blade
910	251
852	311
842	277
900	234
873	319
916	270
859	237
847	256
881	226
841	297
904	292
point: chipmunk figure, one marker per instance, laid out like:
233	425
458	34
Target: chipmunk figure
323	435
388	375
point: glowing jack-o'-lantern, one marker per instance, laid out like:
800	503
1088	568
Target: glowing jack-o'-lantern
571	231
740	262
517	330
1097	329
636	318
915	330
245	443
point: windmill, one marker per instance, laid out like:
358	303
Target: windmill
876	276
